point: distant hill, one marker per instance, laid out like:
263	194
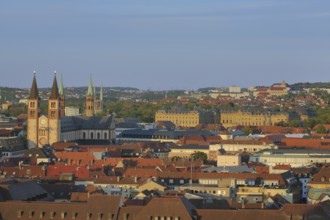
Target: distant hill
122	88
299	86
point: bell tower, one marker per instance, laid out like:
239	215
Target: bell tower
33	115
90	99
54	113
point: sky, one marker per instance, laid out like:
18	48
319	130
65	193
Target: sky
164	44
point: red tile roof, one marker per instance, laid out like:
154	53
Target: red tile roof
58	169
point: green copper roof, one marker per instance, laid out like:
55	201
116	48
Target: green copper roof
101	92
90	87
61	88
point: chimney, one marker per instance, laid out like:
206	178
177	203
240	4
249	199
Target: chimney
135	179
118	179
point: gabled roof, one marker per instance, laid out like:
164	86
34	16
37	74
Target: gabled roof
170	207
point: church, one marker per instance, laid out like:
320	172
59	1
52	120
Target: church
54	127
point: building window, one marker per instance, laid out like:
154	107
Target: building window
92	135
84	135
105	136
98	135
42	132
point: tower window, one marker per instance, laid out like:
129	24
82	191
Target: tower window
32	104
31	113
52	113
52	104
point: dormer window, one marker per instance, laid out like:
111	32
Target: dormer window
74	215
99	216
42	214
63	215
20	213
52	214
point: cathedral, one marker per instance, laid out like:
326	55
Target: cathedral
55	126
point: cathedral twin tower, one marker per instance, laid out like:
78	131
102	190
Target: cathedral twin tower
46	130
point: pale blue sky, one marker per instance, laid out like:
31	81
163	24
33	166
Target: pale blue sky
164	44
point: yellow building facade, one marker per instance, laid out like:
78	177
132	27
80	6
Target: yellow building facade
233	119
187	118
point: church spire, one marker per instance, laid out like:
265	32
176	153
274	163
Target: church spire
90	87
61	88
94	93
34	93
54	93
101	92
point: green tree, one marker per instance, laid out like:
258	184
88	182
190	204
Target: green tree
199	155
294	123
321	129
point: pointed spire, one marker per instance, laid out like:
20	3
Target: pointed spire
90	87
101	92
54	93
61	88
34	93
